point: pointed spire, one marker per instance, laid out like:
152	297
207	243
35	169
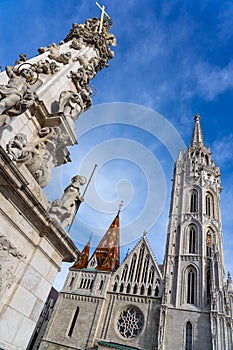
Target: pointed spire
197	138
82	262
107	254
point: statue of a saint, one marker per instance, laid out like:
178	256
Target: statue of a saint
65	208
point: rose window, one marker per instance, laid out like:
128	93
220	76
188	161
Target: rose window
130	323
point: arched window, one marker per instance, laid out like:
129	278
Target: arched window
194	201
229	336
115	287
81	283
209	205
191	286
222	334
188	336
208	244
124	273
128	288
132	266
139	264
220	297
192	236
71	282
208	287
121	287
151	275
156	291
72	325
101	284
142	291
135	289
145	269
149	292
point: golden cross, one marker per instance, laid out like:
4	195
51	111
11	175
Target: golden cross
103	13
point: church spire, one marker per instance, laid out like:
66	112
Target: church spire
197	137
106	257
82	262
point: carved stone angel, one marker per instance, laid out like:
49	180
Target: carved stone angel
18	94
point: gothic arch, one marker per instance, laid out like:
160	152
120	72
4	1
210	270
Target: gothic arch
210	204
222	333
210	238
190	294
191	239
124	272
188	335
229	336
193	200
132	268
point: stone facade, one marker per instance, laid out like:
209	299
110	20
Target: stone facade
184	304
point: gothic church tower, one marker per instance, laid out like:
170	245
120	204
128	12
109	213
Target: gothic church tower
195	311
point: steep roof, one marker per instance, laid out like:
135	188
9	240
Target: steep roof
197	137
106	257
83	259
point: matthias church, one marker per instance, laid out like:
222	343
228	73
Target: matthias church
185	303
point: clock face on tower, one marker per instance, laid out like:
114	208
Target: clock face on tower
130	322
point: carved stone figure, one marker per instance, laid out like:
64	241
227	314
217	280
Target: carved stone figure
64	57
64	209
43	153
52	48
70	104
46	67
16	146
89	34
9	248
17	95
22	58
79	78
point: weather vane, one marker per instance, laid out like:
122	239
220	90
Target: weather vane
103	13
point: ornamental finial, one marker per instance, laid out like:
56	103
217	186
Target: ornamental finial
103	13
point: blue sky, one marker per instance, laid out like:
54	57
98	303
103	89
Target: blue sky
174	57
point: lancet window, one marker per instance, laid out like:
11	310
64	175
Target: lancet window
145	269
188	336
139	264
149	292
229	336
222	334
124	272
151	275
194	201
73	322
132	267
192	237
208	286
208	244
191	285
209	205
